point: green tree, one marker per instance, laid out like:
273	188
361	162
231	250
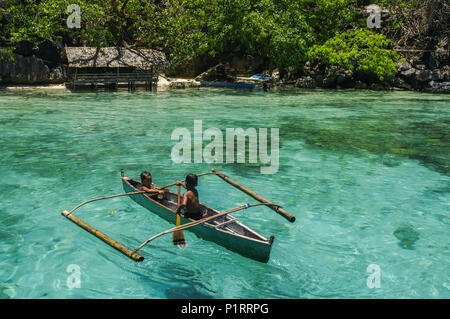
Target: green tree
358	50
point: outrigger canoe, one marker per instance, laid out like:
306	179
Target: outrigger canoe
225	231
218	227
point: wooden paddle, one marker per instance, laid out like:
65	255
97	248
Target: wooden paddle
178	236
201	221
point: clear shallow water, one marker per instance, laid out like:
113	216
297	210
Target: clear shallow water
354	167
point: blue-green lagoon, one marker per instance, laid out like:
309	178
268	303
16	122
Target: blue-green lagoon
366	174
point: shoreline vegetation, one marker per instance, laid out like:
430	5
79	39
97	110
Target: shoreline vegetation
305	44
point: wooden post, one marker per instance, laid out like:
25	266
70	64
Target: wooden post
75	79
124	250
116	87
278	210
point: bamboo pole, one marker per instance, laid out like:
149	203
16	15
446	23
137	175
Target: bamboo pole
172	184
277	208
201	221
104	197
124	250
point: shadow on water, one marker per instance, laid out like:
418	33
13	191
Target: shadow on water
188	280
189	292
182	282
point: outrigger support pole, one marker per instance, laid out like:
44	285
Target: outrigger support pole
124	250
259	198
201	221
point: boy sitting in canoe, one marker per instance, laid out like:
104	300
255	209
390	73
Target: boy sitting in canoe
147	185
190	201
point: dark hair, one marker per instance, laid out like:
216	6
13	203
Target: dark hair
191	180
145	175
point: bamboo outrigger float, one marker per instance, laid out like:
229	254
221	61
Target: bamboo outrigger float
218	227
275	208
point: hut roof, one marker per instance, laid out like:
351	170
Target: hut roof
112	57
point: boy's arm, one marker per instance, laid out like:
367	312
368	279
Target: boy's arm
182	184
154	191
183	204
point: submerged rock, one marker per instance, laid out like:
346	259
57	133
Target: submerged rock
407	236
390	161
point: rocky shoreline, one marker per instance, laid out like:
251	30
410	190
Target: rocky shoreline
410	76
44	67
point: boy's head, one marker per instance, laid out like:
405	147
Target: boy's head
191	180
146	179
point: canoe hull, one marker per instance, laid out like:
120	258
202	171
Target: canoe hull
255	249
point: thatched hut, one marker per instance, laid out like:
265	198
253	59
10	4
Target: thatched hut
113	66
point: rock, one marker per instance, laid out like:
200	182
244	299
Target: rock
306	82
344	79
340	78
163	82
398	82
437	76
403	66
183	84
330	77
57	75
276	75
309	81
423	75
23	70
445	71
319	79
420	66
360	85
407	236
409	73
439	87
436	59
378	87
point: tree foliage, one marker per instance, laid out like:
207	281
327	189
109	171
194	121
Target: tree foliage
360	51
285	33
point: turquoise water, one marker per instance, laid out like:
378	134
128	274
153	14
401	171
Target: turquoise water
365	173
